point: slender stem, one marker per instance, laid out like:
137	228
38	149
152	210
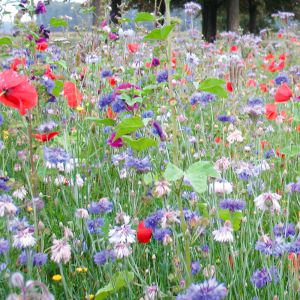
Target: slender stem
30	143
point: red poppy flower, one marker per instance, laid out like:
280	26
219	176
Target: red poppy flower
143	234
298	128
46	136
263	87
234	48
218	140
269	56
16	62
251	83
279	153
148	65
229	86
110	114
283	94
112	81
72	94
280	35
282	56
50	75
264	144
41	46
133	47
16	91
271	112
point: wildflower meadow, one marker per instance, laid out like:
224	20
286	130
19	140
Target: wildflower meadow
141	163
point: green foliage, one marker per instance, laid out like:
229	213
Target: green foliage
58	22
118	281
140	144
107	122
234	217
144	17
213	85
128	125
5	40
59	85
159	34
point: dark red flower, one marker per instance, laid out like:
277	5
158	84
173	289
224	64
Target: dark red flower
72	94
16	62
143	234
16	91
118	143
45	137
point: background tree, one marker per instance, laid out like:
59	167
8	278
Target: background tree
233	15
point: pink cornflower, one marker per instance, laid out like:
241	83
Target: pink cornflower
60	251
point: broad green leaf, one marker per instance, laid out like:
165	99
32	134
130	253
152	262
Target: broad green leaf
59	85
159	34
118	281
144	17
197	175
57	22
234	217
149	178
215	86
140	144
5	40
203	209
128	125
172	172
108	122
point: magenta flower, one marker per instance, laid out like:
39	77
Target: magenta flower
113	36
118	143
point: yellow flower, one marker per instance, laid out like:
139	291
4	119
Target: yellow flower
84	270
29	209
90	297
5	134
56	277
80	108
79	270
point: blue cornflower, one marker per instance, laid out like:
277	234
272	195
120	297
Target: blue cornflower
270	153
118	105
294	187
284	230
262	277
102	257
281	78
271	247
159	234
3	184
162	76
4	246
148	114
95	226
140	165
207	290
157	129
195	267
49	84
105	100
102	206
106	73
40	259
55	155
202	98
224	118
295	246
255	101
189	214
153	220
232	204
1	119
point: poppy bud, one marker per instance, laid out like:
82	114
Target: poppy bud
143	234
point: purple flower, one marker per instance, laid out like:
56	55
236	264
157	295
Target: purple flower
44	32
160	234
207	290
203	98
55	155
153	220
232	204
40	8
148	114
118	105
155	62
284	230
159	131
95	226
271	247
4	246
40	259
140	165
106	73
162	76
195	267
102	257
262	277
281	78
105	100
102	206
294	187
295	246
3	182
224	118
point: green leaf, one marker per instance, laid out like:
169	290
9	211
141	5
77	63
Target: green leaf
128	125
144	17
197	175
203	209
62	64
172	172
5	40
59	85
57	22
234	217
215	86
159	34
140	144
149	178
118	281
108	122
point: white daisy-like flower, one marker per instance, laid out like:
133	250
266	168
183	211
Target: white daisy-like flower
20	193
235	136
24	238
268	201
224	234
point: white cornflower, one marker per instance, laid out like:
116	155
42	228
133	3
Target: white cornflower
20	193
268	201
60	251
24	238
81	213
122	250
122	234
79	180
221	187
235	136
162	188
224	234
